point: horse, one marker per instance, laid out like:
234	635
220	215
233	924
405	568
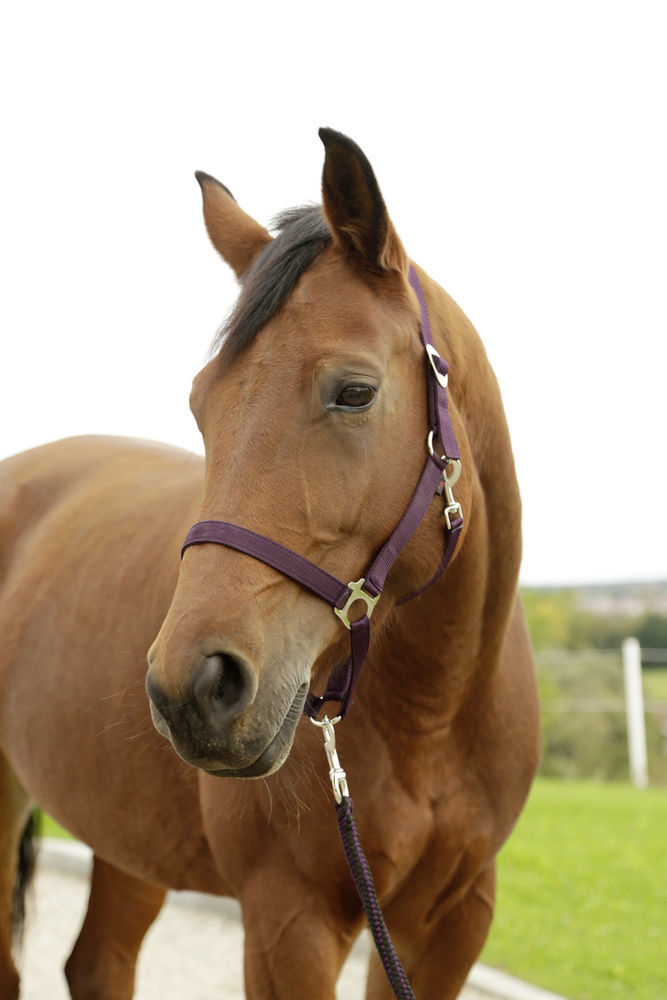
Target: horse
202	772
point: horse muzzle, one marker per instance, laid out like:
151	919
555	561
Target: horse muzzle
222	723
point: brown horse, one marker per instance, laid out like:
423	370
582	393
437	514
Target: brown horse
313	413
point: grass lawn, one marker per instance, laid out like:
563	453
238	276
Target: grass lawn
582	894
654	682
49	828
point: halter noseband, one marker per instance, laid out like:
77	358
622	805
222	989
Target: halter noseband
438	476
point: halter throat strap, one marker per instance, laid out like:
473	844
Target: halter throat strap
434	480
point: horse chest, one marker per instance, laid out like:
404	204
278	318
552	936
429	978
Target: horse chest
424	850
431	878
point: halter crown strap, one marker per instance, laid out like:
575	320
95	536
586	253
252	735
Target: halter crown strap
434	480
439	420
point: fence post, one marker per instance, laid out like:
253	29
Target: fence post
634	707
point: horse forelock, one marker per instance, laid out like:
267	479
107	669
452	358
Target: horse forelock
302	233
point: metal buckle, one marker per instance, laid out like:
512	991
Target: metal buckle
357	595
452	508
337	775
450	511
432	354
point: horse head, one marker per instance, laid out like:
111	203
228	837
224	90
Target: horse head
313	415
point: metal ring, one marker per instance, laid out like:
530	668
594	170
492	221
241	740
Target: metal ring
429	445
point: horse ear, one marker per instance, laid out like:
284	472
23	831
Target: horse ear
354	207
234	234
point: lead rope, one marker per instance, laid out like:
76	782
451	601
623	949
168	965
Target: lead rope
359	867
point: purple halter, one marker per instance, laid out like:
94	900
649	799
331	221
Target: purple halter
435	480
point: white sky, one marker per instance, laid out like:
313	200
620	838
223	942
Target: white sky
522	151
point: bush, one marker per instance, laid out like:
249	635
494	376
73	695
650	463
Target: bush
584	732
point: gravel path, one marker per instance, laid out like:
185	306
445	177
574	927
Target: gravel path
193	950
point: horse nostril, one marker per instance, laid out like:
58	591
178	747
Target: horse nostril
220	687
157	696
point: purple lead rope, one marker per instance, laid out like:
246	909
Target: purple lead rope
358	865
363	880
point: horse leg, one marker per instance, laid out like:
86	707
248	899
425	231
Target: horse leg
15	809
121	908
439	968
292	947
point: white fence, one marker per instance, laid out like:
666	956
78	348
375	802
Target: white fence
634	711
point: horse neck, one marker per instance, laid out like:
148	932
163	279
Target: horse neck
439	652
425	661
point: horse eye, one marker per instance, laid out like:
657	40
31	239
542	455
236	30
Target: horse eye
356	397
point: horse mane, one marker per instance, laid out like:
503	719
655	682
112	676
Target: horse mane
301	234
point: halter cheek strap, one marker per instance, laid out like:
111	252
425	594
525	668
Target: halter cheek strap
439	475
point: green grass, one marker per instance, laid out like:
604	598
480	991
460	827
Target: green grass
582	893
654	682
49	828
